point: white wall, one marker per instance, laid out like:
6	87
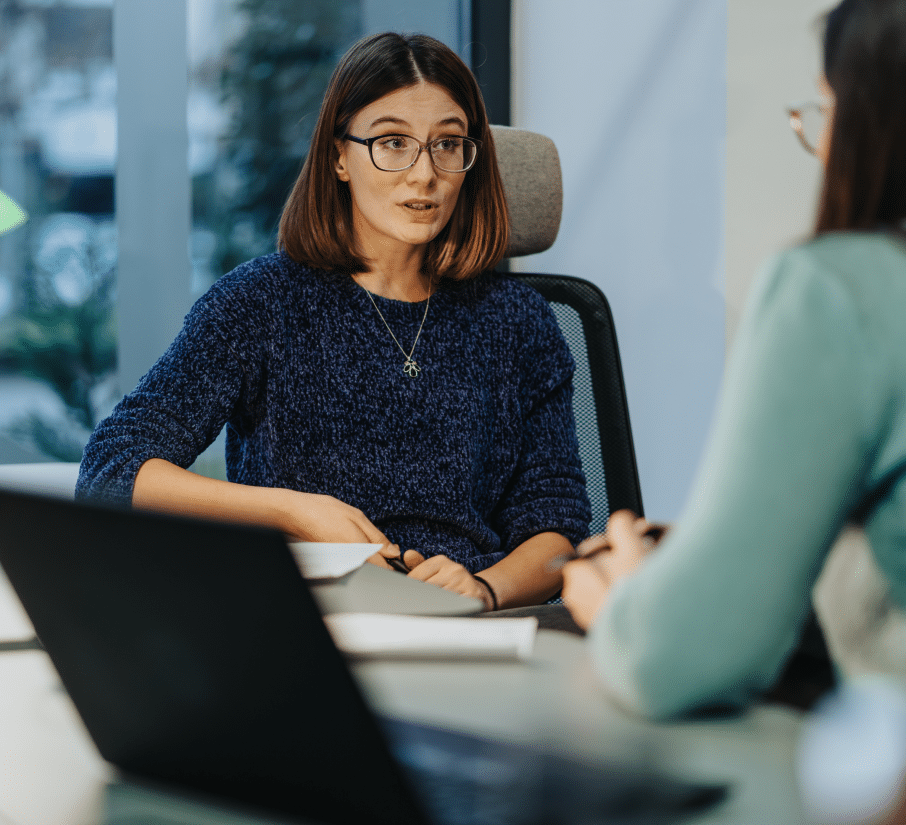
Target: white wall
773	58
633	92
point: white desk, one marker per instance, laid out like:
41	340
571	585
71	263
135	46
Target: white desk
50	773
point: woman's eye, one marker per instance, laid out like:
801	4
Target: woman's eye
448	144
394	143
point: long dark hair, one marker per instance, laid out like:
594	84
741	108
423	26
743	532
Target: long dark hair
865	66
316	226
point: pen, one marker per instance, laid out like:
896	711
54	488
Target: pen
398	564
654	534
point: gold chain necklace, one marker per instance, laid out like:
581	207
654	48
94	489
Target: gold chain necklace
410	368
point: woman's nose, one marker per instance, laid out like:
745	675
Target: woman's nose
423	168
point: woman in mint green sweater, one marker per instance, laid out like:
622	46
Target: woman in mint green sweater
811	419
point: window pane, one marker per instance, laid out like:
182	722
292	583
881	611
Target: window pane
57	271
258	71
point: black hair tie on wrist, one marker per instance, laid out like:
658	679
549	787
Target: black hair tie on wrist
494	604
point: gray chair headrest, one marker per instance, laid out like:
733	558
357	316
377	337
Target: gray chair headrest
530	168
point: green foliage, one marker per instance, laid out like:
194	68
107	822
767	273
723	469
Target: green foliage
71	348
70	345
272	80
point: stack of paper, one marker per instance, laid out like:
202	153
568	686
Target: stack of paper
378	634
327	560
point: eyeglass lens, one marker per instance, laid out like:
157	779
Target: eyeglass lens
812	120
395	152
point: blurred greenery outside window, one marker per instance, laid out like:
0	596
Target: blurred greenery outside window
57	271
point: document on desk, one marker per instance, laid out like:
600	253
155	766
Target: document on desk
431	637
328	560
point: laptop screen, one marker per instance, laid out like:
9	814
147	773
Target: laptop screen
196	656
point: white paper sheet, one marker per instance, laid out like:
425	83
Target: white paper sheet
326	560
429	637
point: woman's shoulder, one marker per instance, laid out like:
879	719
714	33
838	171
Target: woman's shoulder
848	255
514	318
495	293
267	283
867	270
275	273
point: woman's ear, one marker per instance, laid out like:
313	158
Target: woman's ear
339	164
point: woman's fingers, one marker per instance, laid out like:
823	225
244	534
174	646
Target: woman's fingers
424	570
593	544
413	559
587	582
585	589
628	546
602	541
370	533
450	575
388	551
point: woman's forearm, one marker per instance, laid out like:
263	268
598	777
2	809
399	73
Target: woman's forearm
164	487
524	576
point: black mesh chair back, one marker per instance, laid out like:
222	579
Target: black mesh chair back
532	180
599	395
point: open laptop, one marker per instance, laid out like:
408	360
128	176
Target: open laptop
196	656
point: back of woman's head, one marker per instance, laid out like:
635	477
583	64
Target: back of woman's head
865	66
316	226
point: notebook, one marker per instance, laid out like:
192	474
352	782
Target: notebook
197	658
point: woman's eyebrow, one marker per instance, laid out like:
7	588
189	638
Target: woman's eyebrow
388	119
398	121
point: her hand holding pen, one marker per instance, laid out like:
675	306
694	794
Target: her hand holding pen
603	561
437	570
391	557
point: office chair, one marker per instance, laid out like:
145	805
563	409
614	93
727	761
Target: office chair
530	168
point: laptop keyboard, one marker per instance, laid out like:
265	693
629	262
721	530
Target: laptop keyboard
465	780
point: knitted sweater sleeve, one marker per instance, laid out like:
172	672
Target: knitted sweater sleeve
547	491
207	376
712	615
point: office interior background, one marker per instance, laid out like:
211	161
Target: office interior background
153	144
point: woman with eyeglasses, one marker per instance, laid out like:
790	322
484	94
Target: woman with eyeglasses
810	430
375	382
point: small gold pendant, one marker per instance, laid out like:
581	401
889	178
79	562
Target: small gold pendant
411	369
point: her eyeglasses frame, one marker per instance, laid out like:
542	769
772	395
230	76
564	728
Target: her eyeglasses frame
369	142
796	111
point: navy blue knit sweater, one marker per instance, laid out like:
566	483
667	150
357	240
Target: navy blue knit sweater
469	459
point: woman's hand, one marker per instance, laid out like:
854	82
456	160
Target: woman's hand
450	575
411	559
312	517
587	582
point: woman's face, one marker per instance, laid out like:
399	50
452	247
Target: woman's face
822	145
395	211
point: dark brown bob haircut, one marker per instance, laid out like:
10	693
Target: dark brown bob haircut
316	225
865	66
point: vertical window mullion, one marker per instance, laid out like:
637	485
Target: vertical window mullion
153	193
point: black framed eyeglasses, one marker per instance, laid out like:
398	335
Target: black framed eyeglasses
807	121
394	153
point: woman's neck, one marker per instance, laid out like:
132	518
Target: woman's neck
398	276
